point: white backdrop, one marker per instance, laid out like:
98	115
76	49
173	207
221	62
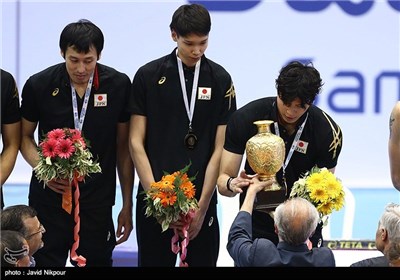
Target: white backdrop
354	44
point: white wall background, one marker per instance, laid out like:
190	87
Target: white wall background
252	44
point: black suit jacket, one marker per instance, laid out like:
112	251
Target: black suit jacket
262	252
372	262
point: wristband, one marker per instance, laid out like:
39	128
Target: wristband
228	184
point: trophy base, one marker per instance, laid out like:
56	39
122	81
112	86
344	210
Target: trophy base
274	187
269	199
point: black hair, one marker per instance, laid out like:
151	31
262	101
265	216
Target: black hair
297	80
12	218
191	18
82	35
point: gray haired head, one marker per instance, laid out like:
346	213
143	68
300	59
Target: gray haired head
296	220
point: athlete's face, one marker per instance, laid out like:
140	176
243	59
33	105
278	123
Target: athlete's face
190	48
290	113
80	65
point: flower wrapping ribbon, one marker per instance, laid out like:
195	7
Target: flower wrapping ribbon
67	200
185	242
79	259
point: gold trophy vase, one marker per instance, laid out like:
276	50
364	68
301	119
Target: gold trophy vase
265	155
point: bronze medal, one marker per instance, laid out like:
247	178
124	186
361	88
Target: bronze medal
190	140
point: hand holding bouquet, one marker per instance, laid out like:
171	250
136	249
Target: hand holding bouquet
172	199
64	154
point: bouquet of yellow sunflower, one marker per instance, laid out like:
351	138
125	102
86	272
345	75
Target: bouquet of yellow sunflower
322	188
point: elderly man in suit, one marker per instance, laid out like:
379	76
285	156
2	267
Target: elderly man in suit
295	221
387	239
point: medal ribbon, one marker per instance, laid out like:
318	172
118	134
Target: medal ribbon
78	122
294	144
189	110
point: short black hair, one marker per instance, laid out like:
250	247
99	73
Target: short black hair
191	18
12	218
298	80
82	35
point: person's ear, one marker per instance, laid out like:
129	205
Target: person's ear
384	234
276	229
174	36
62	54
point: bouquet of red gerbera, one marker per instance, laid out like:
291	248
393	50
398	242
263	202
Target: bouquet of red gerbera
170	199
64	154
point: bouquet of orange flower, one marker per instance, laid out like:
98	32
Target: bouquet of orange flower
171	198
322	188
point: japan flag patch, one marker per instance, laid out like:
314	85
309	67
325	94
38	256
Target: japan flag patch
100	100
204	93
301	147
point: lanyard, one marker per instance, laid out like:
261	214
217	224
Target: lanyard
294	144
189	110
78	121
